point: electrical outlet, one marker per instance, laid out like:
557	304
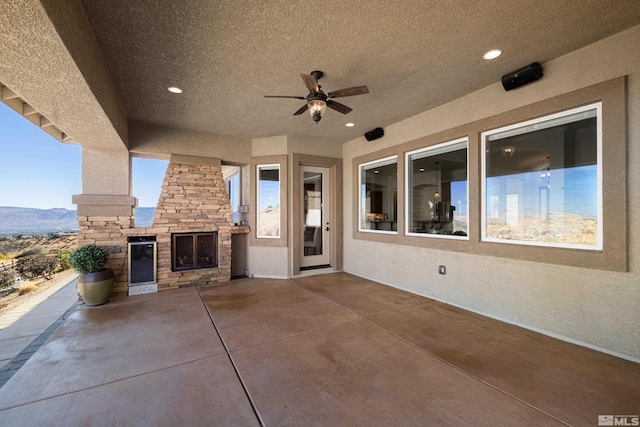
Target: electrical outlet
442	269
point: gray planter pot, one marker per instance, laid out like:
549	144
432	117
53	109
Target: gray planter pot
95	288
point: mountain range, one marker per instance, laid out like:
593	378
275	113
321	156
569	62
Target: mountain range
16	220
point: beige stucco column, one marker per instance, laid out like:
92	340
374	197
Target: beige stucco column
106	183
106	207
105	171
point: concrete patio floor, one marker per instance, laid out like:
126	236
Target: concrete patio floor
324	350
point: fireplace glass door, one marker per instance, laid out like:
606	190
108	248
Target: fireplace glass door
194	250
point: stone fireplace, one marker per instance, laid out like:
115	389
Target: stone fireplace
192	226
190	251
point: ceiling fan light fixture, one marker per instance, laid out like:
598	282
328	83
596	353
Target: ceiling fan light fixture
318	101
317	107
508	150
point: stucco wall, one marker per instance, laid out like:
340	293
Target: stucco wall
314	147
274	258
149	139
269	262
105	171
41	47
592	307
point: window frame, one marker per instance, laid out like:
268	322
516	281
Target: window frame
599	186
360	204
270	166
408	193
614	255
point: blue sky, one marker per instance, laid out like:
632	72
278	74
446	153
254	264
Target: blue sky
36	171
147	176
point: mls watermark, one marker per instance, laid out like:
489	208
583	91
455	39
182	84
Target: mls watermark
619	420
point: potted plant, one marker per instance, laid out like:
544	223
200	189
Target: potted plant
95	282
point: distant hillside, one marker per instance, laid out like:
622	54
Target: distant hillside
29	220
14	220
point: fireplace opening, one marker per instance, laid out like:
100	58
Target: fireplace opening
190	251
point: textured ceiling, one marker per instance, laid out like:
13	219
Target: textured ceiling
413	55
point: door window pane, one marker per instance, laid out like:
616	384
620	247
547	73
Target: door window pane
437	201
542	181
312	213
268	216
379	195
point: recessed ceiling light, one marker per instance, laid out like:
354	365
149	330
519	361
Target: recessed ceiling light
492	54
174	89
349	125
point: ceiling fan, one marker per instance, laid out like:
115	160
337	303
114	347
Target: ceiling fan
318	101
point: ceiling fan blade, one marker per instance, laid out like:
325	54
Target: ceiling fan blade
350	91
310	82
339	107
284	96
304	108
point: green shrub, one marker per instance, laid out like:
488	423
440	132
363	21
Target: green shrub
63	259
7	278
88	259
34	266
36	250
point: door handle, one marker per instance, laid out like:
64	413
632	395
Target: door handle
326	229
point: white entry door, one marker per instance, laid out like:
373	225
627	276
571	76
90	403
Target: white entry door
316	233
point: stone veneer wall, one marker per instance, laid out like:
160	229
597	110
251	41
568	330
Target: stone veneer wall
193	199
107	231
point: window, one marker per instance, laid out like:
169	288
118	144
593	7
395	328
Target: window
542	181
233	191
437	195
378	183
268	201
194	250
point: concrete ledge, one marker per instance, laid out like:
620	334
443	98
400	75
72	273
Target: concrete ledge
193	160
104	199
143	289
104	204
240	229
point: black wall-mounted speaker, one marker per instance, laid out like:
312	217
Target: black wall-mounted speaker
522	76
374	134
